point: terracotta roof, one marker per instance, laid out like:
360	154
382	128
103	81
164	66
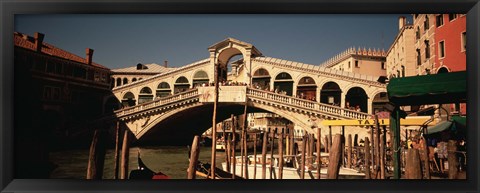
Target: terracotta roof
151	68
28	42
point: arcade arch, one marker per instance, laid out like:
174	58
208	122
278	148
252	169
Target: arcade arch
331	94
128	99
307	88
181	85
283	83
163	89
356	96
145	95
261	78
379	101
125	81
200	77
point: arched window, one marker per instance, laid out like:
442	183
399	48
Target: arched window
134	79
125	81
307	89
200	77
145	95
128	99
283	84
181	85
261	79
163	89
119	82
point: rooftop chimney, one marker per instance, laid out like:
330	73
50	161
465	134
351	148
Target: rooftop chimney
401	22
89	55
38	41
165	64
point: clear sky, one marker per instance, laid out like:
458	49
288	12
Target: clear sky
124	40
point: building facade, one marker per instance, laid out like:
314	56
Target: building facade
362	61
401	54
450	37
141	71
56	93
424	25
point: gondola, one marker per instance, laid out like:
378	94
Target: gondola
203	170
145	173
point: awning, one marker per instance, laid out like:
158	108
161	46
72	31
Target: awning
456	124
441	88
442	126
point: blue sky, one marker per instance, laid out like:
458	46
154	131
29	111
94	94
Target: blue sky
124	40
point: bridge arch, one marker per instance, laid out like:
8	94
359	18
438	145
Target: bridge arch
163	89
200	77
379	101
119	82
307	88
181	85
128	99
283	82
145	95
261	78
357	96
331	93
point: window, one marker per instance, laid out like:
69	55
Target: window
348	65
464	41
441	49
356	63
418	33
452	17
426	24
419	58
403	71
427	49
383	65
439	20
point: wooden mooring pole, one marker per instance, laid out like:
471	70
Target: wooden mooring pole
214	123
452	159
382	157
125	156
319	146
413	167
334	158
117	151
304	145
367	158
349	151
426	166
264	154
280	156
255	156
194	152
96	158
233	146
272	147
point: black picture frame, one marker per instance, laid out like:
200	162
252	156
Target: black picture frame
7	130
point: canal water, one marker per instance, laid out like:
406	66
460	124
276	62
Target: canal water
170	160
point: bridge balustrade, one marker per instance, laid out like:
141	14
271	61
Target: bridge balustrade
313	105
158	102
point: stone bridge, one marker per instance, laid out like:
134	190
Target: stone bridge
302	93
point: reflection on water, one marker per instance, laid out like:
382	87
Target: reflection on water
170	160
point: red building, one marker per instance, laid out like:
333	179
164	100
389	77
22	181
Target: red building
451	44
450	38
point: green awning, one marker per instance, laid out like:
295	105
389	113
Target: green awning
441	88
456	124
442	126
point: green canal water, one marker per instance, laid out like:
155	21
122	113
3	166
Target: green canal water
170	160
